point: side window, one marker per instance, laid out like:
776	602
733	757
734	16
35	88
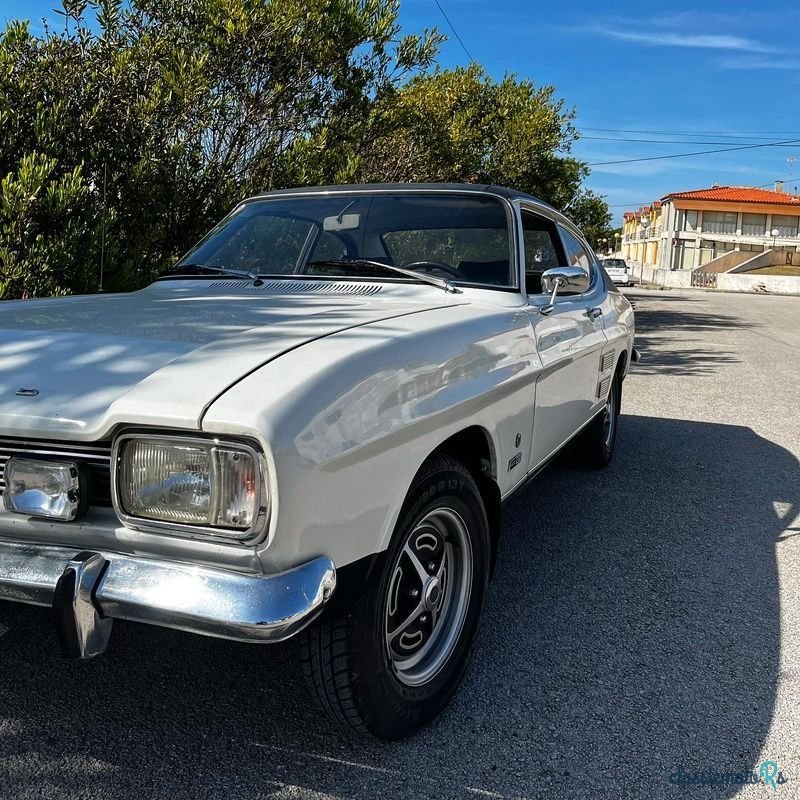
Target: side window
542	249
577	256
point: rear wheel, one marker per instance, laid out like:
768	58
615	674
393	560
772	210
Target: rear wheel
397	658
594	446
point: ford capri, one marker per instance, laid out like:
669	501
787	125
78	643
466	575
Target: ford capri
308	427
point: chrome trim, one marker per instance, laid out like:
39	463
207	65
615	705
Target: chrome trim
78	500
93	455
576	278
196	599
82	630
594	312
207	532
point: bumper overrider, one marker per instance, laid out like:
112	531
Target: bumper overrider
88	590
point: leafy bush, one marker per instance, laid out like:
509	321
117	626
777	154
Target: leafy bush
149	119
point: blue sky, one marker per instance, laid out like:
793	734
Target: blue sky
711	72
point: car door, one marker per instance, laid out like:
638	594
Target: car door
569	338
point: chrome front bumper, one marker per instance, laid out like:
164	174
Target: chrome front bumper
89	589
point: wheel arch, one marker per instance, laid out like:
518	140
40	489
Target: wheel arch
473	447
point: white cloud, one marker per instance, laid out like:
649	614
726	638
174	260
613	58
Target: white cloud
710	41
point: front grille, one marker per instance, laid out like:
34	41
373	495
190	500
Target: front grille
96	457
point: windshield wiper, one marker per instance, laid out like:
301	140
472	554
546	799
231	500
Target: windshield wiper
442	283
240	273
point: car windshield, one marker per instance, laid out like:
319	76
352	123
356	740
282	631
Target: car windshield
614	262
463	238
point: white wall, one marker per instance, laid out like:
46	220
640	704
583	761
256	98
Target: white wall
774	284
681	278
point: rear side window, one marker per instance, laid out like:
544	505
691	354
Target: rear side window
577	256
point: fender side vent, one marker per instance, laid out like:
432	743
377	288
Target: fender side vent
607	361
602	389
300	287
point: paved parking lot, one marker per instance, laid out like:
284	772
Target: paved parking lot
642	619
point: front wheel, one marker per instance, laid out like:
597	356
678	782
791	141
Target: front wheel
397	658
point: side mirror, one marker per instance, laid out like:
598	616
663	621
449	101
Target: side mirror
573	279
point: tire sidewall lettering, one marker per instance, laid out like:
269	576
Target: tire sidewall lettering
440	487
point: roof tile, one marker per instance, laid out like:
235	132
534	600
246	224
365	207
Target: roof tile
737	194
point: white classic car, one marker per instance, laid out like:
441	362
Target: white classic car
309	425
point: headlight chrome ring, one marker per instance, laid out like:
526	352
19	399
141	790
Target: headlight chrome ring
189	486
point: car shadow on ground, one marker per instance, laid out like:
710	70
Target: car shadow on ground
691	354
632	628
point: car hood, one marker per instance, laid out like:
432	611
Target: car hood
76	367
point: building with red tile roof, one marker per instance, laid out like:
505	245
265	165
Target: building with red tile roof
689	229
737	194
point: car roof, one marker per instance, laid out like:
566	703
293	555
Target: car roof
499	191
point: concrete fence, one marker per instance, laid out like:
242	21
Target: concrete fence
680	278
731	281
728	262
769	258
758	284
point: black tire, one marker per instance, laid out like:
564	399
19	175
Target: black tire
347	661
593	448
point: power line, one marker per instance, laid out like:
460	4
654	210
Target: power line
696	153
453	28
670	141
726	134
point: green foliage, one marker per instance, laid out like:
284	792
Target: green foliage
175	109
590	211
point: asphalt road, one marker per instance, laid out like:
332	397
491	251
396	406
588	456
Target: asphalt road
642	619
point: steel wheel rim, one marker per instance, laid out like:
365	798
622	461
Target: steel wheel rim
428	597
609	417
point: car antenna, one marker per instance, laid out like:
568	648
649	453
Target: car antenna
103	228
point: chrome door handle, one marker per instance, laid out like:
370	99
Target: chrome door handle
595	312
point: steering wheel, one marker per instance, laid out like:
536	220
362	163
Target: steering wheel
430	266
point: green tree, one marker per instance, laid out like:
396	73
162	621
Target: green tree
149	119
451	126
177	108
591	213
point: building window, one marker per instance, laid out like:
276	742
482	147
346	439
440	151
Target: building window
687	221
754	224
719	221
787	226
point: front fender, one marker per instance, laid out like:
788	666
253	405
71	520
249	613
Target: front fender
349	419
